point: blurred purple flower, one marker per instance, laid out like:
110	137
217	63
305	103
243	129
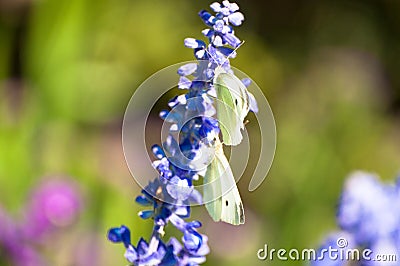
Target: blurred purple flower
52	204
26	255
55	203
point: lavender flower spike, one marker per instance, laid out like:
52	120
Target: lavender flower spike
167	199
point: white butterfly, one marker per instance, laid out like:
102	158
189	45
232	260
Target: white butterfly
233	105
222	196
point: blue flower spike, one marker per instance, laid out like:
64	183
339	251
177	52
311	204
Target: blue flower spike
169	196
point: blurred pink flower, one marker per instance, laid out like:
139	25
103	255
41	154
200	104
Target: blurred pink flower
54	203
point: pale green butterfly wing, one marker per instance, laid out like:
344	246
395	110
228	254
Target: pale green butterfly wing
211	195
232	106
228	119
232	206
228	207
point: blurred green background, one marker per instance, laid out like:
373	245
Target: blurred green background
330	70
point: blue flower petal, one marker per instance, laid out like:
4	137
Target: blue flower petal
163	114
175	244
179	99
120	234
157	151
225	11
183	211
246	82
169	258
233	7
226	3
184	82
208	33
217	41
192	240
131	254
196	197
193	224
142	200
236	18
187	69
178	222
227	52
199	85
200	54
207	18
219	25
179	189
216	7
253	103
175	116
232	40
164	213
146	214
217	57
193	43
142	247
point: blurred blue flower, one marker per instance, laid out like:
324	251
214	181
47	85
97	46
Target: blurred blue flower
366	208
384	246
332	242
369	214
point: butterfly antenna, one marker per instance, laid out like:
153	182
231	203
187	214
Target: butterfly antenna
233	52
227	58
215	60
